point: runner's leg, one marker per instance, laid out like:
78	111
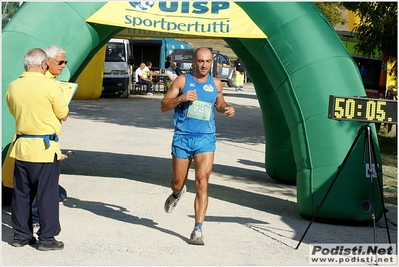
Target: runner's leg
203	164
180	169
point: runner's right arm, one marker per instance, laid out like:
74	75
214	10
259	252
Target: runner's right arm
173	96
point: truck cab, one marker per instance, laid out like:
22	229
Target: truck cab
117	71
156	50
222	67
183	58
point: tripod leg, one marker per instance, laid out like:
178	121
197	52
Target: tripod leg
380	190
340	168
370	173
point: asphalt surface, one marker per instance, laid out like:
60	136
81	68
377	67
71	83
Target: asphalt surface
118	179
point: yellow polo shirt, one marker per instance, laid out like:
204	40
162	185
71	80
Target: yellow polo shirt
50	75
37	104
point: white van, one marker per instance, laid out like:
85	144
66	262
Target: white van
117	71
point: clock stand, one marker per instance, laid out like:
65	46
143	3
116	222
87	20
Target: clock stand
371	156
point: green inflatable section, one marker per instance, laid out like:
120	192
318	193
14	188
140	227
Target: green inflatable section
44	24
294	71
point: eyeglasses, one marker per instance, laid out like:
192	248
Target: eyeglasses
60	62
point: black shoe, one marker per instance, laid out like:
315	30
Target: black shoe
57	245
19	244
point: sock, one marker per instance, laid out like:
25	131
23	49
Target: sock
198	225
177	195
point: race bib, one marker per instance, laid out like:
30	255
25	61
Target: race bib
200	110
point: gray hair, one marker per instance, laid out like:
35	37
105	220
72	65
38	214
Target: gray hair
54	50
34	58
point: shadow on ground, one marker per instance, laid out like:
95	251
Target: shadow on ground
140	168
245	128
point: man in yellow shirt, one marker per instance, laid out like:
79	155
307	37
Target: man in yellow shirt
56	61
39	107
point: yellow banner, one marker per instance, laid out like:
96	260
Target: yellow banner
129	33
200	19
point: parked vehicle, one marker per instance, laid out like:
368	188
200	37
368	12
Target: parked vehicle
117	71
183	59
222	67
122	54
156	50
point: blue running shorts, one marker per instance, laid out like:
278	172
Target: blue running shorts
185	146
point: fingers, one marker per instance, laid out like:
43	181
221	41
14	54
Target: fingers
229	111
191	95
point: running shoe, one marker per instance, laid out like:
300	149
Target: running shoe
171	201
196	237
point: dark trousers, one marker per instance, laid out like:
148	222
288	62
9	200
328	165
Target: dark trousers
62	194
147	83
38	180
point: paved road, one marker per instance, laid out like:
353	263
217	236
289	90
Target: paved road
118	180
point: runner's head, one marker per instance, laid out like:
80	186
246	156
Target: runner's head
202	61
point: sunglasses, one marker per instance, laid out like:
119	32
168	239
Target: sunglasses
60	62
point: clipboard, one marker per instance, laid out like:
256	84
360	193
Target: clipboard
68	90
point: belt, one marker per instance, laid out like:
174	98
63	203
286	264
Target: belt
46	138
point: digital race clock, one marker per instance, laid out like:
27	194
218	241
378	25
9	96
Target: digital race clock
362	109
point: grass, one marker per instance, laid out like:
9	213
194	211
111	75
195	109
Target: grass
389	151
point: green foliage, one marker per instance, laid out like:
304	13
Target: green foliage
377	29
8	9
333	11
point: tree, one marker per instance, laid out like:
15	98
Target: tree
8	9
377	30
333	11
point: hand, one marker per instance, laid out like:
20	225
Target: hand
229	111
63	156
190	96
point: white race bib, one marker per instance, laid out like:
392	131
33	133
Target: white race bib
200	110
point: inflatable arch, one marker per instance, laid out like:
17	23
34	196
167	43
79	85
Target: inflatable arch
294	70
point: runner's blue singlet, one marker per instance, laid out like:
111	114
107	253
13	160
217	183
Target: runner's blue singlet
197	117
